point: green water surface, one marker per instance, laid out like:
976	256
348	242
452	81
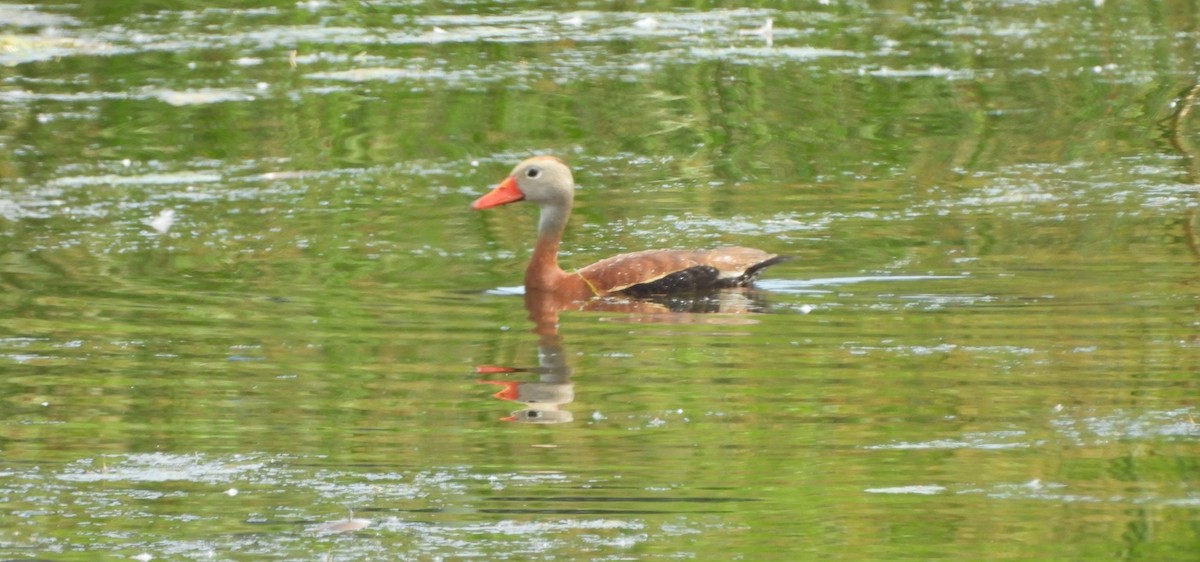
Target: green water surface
241	291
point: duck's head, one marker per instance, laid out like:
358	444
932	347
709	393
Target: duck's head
544	180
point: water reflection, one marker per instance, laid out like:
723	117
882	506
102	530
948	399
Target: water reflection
545	398
1177	132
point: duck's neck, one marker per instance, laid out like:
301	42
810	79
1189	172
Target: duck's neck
543	272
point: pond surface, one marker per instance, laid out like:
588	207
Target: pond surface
245	313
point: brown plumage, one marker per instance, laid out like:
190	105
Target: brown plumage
547	181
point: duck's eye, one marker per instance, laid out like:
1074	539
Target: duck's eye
533	173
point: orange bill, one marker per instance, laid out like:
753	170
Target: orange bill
502	194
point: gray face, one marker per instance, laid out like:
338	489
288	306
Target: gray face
545	181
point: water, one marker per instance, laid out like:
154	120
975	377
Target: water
245	313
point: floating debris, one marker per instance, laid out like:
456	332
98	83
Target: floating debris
766	32
199	97
163	222
646	23
347	525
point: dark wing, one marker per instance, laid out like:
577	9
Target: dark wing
672	271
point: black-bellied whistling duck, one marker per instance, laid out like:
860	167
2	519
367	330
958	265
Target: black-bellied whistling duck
547	181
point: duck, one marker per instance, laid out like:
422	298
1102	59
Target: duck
547	182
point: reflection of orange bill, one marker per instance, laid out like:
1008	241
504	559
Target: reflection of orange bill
509	392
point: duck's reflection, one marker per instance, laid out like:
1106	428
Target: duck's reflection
545	398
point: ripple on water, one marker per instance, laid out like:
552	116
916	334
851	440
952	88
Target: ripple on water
162	467
21	49
256	493
166	178
1092	429
734	35
23	15
759	55
801	286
